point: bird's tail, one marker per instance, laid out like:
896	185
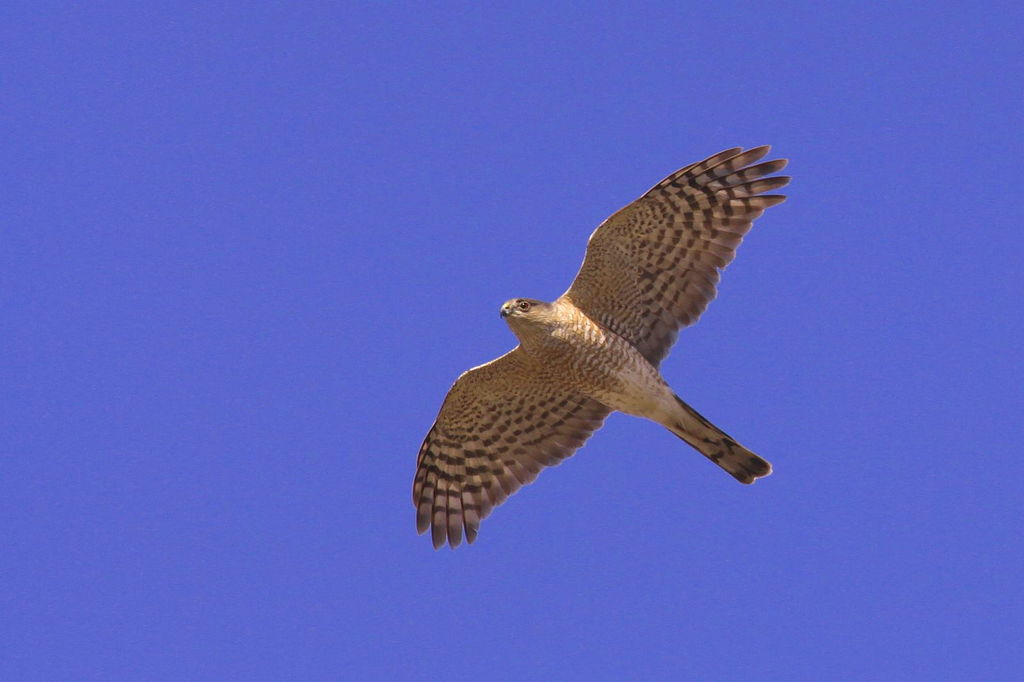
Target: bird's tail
713	443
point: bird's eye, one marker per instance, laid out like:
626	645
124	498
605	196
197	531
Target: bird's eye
524	305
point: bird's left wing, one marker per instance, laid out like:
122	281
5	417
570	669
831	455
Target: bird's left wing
653	266
500	424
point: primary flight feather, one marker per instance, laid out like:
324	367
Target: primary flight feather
649	269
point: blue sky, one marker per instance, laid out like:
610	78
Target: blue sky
248	247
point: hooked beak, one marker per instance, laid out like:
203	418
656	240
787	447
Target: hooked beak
506	310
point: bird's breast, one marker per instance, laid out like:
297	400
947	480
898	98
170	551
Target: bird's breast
592	360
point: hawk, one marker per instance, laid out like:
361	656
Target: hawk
650	269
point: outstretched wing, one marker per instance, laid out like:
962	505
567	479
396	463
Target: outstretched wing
653	266
500	424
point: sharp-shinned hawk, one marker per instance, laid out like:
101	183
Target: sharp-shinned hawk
649	269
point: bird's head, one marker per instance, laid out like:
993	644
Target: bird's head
524	312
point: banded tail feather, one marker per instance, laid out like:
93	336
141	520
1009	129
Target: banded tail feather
718	446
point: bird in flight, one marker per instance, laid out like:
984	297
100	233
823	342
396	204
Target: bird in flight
650	269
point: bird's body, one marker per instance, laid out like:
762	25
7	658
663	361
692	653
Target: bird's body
579	355
572	350
650	269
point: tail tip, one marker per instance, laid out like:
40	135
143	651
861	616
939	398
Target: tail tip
750	469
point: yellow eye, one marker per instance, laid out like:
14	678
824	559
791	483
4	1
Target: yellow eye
524	305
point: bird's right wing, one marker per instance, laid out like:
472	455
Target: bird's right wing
500	424
653	266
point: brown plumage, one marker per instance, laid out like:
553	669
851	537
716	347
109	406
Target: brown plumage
650	269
